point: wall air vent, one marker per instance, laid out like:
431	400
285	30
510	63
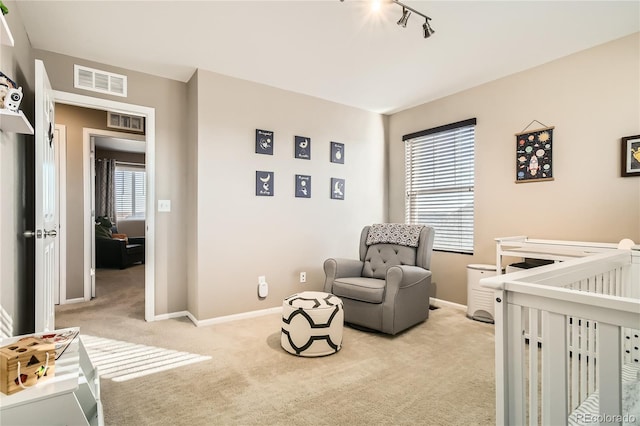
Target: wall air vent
116	120
99	81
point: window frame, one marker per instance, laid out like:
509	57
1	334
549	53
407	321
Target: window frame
454	185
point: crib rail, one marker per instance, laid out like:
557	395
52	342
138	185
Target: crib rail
590	310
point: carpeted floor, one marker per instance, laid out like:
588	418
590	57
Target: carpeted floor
440	372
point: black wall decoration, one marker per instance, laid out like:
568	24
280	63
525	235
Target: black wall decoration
303	186
264	142
337	152
264	184
533	155
303	147
337	189
630	151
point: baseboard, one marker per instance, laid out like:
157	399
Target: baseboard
172	315
269	311
234	317
441	303
76	300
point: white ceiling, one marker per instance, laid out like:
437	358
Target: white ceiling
329	49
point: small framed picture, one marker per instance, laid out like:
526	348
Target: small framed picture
303	186
337	189
264	184
264	142
303	147
337	152
630	156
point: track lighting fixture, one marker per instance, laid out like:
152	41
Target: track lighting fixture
404	18
427	31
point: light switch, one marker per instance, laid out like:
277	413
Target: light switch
164	205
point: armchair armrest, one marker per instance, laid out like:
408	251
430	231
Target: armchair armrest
340	268
401	276
136	240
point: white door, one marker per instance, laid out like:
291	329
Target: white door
47	264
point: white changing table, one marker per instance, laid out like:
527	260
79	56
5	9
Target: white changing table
556	250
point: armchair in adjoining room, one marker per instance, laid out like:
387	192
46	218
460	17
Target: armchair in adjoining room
388	288
115	250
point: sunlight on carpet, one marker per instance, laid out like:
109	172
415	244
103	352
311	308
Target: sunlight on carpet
121	361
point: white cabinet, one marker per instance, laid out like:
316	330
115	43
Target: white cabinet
71	397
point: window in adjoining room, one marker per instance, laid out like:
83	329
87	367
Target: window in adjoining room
131	192
439	183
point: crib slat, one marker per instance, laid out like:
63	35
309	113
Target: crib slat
517	401
609	374
584	359
574	336
554	369
593	350
533	367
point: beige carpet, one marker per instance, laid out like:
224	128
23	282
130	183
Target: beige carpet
437	373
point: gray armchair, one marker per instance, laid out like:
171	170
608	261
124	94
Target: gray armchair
388	288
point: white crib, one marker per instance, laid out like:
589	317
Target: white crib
583	366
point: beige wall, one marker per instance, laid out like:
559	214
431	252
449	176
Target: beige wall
169	98
16	204
592	99
241	236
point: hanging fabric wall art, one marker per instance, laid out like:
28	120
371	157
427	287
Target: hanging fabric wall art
533	155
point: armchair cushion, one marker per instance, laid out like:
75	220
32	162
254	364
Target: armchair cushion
380	257
358	288
103	232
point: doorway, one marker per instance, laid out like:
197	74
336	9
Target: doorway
87	220
118	190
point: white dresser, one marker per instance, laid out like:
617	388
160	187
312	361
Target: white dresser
71	397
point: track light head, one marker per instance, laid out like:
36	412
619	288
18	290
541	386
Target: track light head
405	17
427	30
406	13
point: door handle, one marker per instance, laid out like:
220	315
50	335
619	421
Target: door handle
53	233
39	234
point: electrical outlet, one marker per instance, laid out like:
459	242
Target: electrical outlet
303	277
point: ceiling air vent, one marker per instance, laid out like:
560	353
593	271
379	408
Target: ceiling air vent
99	81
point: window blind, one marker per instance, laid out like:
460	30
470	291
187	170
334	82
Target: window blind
131	192
439	181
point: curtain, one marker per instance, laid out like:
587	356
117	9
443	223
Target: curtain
105	188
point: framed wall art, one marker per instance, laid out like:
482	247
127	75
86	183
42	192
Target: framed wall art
337	188
337	152
534	161
303	186
264	142
630	150
302	147
264	184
